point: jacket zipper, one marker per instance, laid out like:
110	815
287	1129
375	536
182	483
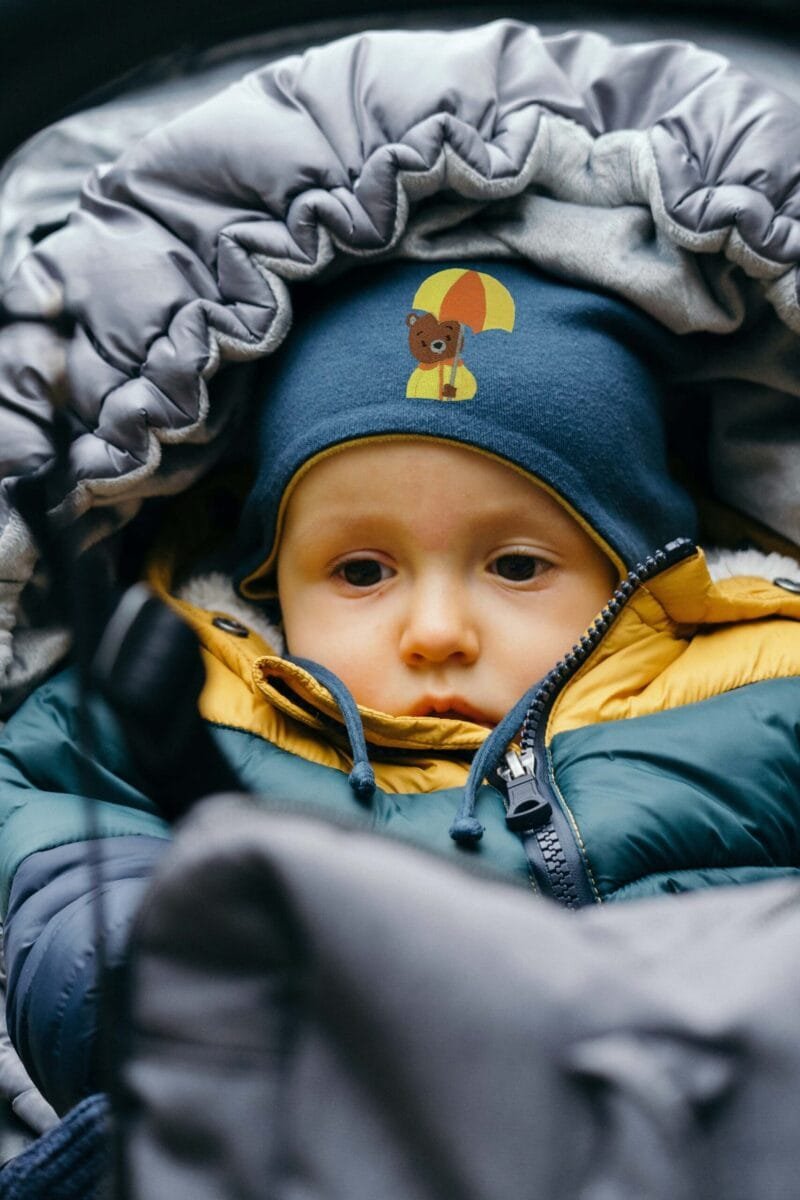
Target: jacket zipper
533	808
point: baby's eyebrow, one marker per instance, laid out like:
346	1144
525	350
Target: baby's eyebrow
337	531
334	522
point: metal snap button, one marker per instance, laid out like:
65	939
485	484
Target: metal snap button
228	625
788	585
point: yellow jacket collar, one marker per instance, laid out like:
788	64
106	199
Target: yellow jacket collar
305	699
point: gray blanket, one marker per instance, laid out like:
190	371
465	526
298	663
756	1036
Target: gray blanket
655	170
380	1023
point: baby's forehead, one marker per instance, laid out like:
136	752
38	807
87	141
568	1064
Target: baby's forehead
407	482
392	469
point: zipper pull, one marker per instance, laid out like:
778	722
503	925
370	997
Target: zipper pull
527	809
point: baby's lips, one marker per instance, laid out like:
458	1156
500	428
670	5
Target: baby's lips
450	708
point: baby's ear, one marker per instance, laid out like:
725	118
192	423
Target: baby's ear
412	319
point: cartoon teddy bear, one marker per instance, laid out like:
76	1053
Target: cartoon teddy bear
440	374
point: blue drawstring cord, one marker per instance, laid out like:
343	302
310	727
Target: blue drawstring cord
466	828
362	776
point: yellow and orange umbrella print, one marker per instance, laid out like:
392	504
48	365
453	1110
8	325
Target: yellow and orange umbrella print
472	298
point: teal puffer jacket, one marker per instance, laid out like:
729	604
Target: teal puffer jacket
664	758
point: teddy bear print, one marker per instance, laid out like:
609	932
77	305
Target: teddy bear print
440	373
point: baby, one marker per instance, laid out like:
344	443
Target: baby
501	641
441	557
423	606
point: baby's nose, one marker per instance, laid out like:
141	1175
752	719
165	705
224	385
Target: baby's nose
437	630
438	346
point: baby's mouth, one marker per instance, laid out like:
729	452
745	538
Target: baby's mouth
450	708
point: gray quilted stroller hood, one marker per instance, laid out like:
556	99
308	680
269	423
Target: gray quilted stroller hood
657	171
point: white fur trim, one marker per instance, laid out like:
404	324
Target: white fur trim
215	593
726	564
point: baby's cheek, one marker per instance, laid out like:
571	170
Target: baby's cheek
339	646
534	647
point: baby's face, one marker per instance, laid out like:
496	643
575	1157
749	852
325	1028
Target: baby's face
432	579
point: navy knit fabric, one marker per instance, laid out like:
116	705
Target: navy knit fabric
70	1162
570	393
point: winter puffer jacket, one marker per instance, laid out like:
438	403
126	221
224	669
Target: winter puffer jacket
664	753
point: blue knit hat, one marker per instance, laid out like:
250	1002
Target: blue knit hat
560	381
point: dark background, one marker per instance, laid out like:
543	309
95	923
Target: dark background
56	54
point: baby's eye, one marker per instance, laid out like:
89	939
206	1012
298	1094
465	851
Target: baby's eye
363	572
518	568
